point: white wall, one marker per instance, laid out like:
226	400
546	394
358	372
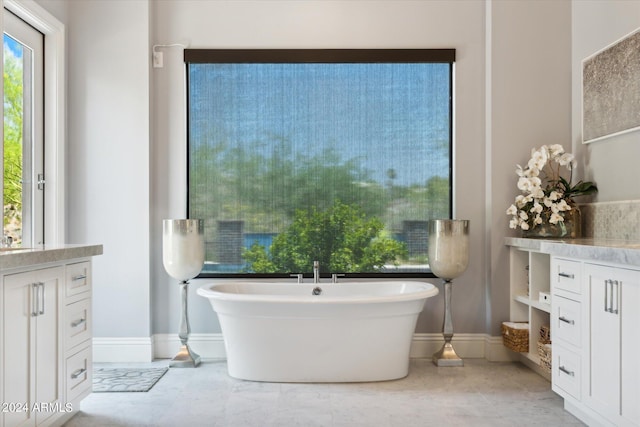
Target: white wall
320	24
530	97
108	154
613	162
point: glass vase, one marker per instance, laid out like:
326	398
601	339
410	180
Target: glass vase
570	228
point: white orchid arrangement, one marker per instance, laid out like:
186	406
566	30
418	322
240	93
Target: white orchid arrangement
546	195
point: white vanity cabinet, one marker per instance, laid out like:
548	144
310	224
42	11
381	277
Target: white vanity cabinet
595	329
45	334
613	296
31	346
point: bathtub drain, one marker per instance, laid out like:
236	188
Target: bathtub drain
317	291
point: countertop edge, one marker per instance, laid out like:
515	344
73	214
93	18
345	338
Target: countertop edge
46	254
625	253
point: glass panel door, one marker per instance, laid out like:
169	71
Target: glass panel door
23	174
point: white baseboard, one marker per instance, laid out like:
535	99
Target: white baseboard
211	346
208	346
125	349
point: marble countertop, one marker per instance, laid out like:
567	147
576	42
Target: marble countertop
23	257
622	252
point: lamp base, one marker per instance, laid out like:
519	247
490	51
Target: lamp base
447	356
186	358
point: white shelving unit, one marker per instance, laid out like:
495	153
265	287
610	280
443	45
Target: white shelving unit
530	275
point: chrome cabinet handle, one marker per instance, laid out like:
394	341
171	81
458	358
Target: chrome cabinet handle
77	373
41	286
77	323
35	299
567	275
79	277
566	371
615	298
611	298
565	320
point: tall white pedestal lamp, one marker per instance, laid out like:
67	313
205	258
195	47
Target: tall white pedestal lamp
183	257
448	259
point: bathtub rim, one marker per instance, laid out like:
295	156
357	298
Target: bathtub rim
428	290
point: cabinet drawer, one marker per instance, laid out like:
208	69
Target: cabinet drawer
77	323
565	373
565	275
567	321
79	374
78	278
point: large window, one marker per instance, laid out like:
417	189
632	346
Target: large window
340	156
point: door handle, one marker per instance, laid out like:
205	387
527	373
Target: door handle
566	371
565	320
77	373
77	323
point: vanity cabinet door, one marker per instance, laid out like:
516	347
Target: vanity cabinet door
30	344
612	349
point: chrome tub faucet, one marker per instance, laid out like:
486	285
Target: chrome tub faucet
316	271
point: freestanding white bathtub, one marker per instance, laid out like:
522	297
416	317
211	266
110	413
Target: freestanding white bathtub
350	332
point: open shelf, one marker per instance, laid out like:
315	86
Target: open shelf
530	275
543	306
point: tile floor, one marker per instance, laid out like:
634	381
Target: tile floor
479	394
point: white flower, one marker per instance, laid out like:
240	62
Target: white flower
539	158
556	150
514	223
554	195
524	225
512	210
529	185
523	215
537	208
566	159
563	206
523	184
537	220
556	218
520	202
537	193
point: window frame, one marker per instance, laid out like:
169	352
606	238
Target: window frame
33	126
54	113
268	56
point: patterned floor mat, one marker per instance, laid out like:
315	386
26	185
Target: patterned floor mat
125	379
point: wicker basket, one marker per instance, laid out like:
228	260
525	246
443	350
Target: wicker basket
544	348
544	351
545	333
515	336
